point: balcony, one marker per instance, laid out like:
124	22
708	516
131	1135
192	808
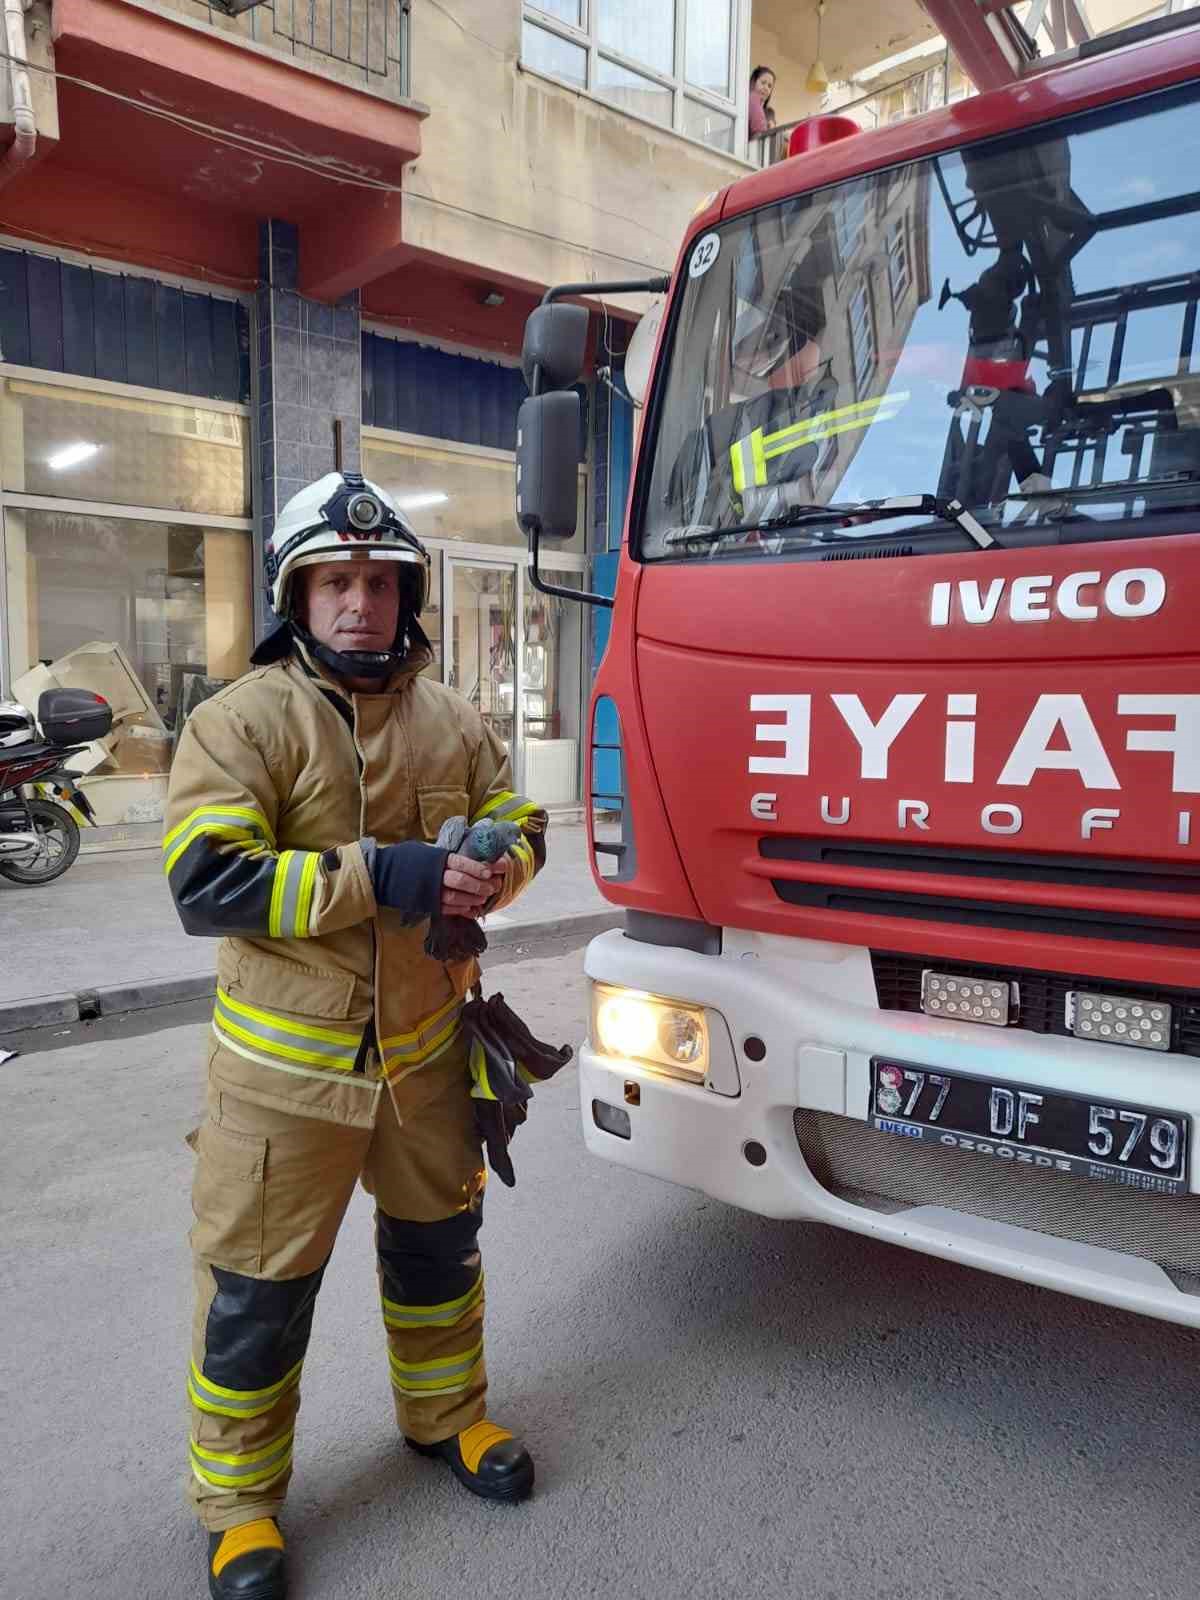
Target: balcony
360	42
171	131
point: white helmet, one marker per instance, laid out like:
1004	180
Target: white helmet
342	517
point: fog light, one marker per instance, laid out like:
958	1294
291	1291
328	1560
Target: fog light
1117	1019
944	994
613	1119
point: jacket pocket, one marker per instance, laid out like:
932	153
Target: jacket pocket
437	805
285	985
227	1197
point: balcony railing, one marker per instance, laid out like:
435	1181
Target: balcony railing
364	42
907	97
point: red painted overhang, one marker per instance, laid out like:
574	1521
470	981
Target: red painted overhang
139	188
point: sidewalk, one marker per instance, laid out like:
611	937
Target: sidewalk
107	932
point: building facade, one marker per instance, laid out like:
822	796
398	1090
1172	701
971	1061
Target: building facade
242	244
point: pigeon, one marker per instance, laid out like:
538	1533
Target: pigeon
458	938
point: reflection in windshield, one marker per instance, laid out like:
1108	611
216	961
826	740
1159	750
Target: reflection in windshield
1011	325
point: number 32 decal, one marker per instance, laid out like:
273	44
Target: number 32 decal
705	253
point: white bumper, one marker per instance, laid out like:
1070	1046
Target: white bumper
814	1008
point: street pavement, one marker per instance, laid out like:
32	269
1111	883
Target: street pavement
720	1406
110	920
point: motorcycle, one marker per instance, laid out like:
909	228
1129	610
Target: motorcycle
41	805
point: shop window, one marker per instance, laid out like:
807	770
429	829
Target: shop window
74	443
553	635
460	496
153	615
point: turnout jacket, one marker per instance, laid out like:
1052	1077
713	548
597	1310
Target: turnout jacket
281	787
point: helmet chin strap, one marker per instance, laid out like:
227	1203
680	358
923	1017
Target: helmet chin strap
357	663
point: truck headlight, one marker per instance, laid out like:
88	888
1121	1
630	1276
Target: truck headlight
662	1033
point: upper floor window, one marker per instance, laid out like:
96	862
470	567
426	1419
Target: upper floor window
671	61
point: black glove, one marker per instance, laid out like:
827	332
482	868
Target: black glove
504	1059
408	877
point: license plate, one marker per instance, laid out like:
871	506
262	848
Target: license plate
1024	1127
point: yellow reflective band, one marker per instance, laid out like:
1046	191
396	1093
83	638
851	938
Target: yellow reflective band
444	1315
235	835
247	813
765	447
260	1535
491	805
432	1021
862	408
446	1376
410	1060
286	1051
278	886
271	1390
228	821
302	1030
482	1089
758	458
305	897
242	1480
243	1458
826	428
737	466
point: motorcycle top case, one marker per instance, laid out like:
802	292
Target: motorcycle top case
74	716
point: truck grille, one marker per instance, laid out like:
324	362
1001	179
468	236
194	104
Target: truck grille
882	1173
849	877
1043	995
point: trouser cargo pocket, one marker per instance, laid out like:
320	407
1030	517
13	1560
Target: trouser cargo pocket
227	1196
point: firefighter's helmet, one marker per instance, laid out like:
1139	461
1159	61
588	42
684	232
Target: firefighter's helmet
343	517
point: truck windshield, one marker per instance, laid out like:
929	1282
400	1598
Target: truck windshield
1011	325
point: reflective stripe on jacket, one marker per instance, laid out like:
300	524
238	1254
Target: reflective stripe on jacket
276	780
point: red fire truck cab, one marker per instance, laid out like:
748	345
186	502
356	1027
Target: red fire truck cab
905	664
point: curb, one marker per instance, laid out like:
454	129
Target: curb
88	1005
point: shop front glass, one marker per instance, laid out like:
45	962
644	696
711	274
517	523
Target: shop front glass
515	653
130	576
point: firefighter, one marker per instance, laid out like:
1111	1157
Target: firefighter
304	802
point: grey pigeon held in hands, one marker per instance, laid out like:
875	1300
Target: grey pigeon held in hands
457	938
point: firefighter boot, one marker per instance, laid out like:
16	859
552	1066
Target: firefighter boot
246	1562
485	1459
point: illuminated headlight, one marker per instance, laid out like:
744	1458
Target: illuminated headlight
635	1026
1116	1019
943	994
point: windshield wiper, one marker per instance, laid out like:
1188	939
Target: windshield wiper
844	516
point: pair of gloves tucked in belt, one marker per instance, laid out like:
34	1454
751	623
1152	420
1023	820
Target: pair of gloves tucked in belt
505	1061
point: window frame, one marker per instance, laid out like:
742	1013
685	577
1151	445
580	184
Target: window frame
899	262
682	92
862	378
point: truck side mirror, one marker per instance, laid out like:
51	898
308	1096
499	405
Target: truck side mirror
548	462
555	342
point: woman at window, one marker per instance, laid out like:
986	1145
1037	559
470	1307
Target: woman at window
762	87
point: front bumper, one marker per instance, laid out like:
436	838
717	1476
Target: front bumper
813	1008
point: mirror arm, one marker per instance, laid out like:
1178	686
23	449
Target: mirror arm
539	582
658	285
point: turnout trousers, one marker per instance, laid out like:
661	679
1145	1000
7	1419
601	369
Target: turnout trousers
271	1187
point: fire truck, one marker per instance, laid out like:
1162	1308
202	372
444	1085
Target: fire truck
900	708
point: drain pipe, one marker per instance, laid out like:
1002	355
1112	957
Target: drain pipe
20	152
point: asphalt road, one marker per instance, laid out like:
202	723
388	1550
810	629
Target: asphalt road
720	1406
